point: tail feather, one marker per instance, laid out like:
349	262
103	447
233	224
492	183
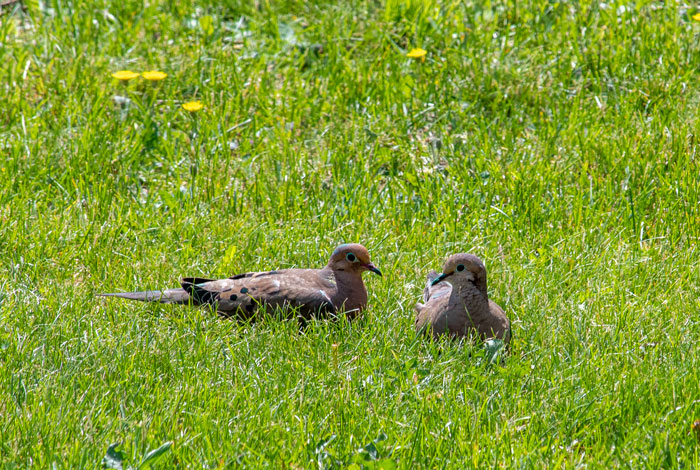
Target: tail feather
432	275
169	296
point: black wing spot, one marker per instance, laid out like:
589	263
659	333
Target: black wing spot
241	276
244	290
233	296
195	280
267	273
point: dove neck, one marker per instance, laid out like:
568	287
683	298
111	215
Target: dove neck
350	290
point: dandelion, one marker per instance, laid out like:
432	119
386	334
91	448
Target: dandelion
125	75
696	17
417	53
154	75
192	106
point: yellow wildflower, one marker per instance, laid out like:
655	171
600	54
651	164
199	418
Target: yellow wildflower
192	106
696	17
417	53
154	75
125	75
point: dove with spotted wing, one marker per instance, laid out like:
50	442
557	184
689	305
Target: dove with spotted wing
335	289
457	303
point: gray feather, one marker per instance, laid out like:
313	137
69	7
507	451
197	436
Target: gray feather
432	275
170	296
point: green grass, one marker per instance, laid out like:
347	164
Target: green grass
556	140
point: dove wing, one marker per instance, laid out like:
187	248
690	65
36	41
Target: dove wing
244	294
432	275
433	314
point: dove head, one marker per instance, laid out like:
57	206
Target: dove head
353	258
464	268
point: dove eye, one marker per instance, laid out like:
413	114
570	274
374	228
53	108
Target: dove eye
460	267
351	257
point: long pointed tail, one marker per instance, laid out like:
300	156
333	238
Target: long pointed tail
170	296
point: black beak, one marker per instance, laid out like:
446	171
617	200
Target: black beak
441	277
373	268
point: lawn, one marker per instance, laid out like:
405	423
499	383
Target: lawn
556	140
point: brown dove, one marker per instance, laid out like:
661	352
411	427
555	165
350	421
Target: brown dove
457	304
337	288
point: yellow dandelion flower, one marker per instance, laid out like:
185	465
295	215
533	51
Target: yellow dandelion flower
154	75
192	106
696	17
417	53
125	75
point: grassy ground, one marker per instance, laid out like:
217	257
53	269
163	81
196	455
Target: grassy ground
557	141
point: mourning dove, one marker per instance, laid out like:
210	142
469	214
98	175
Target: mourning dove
334	289
457	304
